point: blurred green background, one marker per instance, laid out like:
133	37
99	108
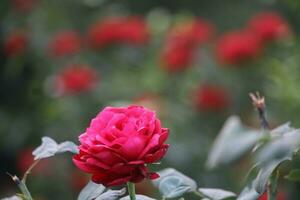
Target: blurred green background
193	101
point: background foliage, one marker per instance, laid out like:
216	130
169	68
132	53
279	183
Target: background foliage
33	103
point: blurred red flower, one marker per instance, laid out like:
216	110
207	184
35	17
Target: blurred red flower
176	57
25	160
79	180
129	30
212	98
24	5
75	78
65	43
280	196
15	43
181	42
269	26
238	46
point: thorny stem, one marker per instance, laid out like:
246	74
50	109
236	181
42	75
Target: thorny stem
28	171
22	187
259	104
131	190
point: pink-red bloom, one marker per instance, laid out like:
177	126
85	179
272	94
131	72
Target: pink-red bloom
212	98
238	46
75	78
15	44
65	43
269	26
119	143
181	43
24	5
114	30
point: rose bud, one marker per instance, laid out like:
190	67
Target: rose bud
269	26
119	144
237	47
15	44
65	43
212	98
74	79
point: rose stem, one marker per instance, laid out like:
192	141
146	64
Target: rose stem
259	104
28	171
131	190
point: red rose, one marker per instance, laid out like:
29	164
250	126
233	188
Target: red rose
24	5
65	43
75	79
181	44
194	32
119	143
237	47
131	30
269	26
212	98
15	43
176	58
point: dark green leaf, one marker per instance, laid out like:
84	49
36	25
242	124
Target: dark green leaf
294	175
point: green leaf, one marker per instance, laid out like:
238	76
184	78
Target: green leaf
294	175
233	134
49	148
138	197
173	184
216	194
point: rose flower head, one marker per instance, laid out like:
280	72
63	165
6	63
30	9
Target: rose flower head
74	79
237	47
211	97
181	43
119	144
115	30
65	43
15	44
269	26
24	6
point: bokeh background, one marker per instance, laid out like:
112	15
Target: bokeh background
194	62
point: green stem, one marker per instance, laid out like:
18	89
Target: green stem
272	191
131	190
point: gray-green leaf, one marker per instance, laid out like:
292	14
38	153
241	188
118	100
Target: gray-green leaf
233	142
49	148
138	197
111	194
216	194
173	184
91	191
